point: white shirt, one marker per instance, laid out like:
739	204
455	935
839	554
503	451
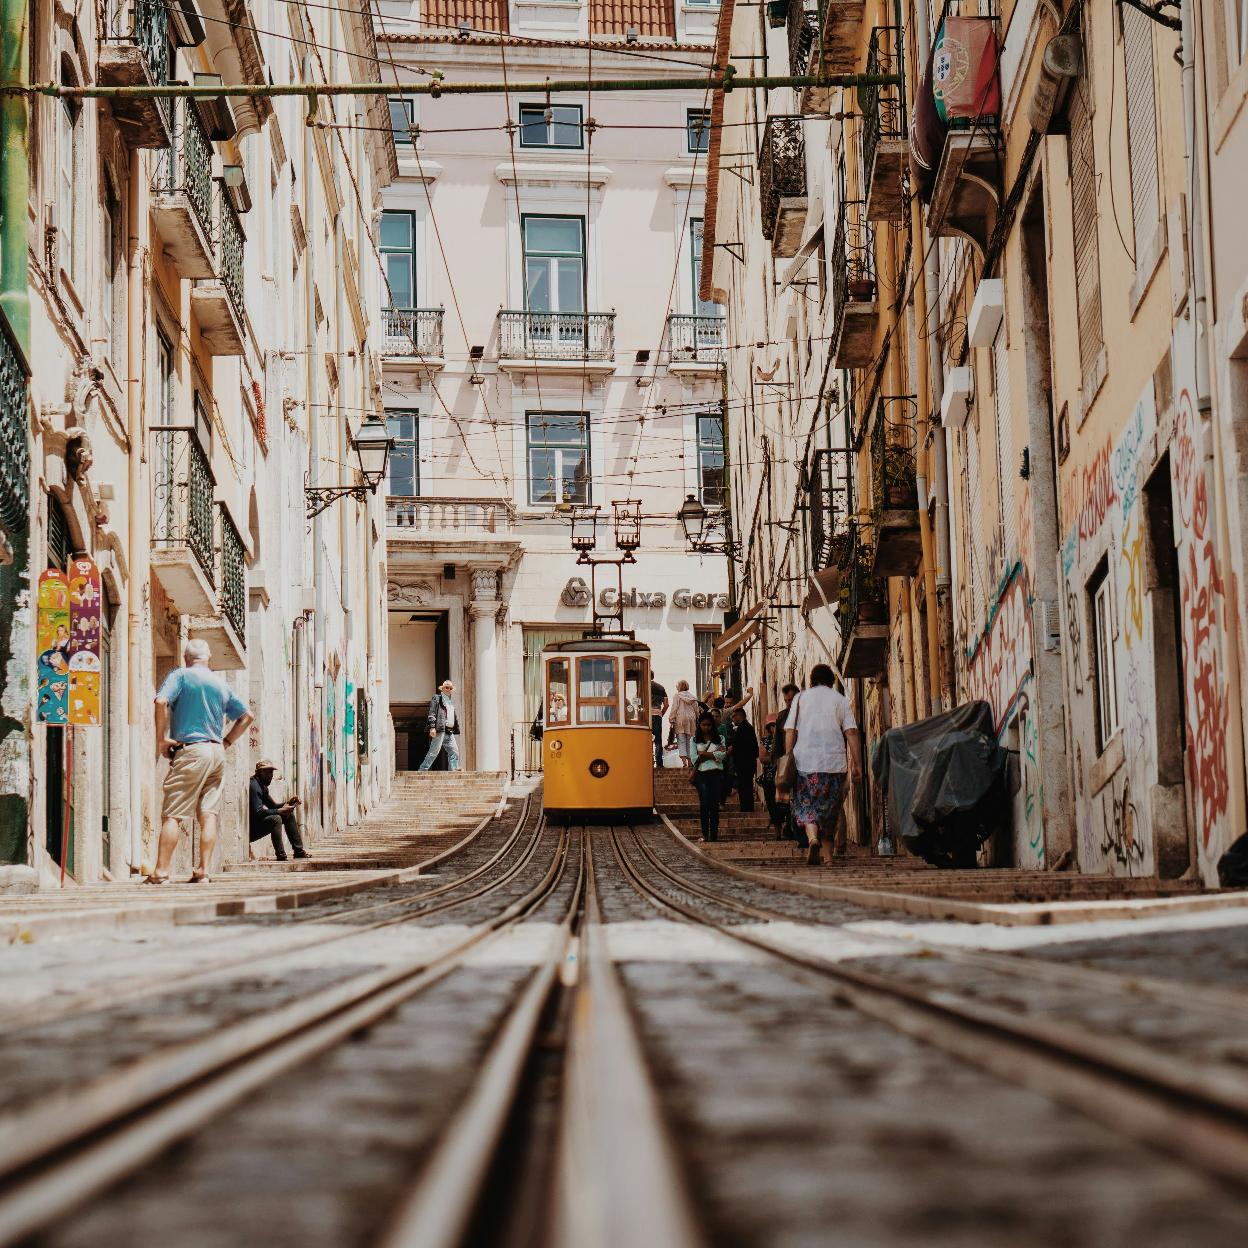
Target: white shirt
450	712
821	716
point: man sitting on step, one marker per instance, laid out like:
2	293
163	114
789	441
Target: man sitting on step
268	818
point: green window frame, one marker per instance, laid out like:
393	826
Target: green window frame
557	452
403	466
402	115
398	257
554	262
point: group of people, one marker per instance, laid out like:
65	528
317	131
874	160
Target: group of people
816	730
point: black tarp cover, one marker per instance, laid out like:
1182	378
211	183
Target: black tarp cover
945	782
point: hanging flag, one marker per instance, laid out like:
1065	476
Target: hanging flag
85	600
52	639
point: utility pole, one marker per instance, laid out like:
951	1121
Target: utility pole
16	644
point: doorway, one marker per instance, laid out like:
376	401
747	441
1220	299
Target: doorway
420	657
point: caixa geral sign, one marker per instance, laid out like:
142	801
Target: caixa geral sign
576	594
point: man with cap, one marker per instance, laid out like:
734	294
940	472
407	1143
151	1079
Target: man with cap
268	818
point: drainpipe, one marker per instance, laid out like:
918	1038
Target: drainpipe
939	482
136	531
1200	303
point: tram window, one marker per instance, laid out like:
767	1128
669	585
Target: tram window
557	681
636	691
597	698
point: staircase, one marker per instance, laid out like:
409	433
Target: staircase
426	813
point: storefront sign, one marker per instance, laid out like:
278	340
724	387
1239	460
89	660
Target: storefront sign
576	594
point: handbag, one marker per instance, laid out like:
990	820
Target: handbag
786	768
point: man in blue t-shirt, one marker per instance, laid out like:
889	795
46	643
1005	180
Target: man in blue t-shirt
191	711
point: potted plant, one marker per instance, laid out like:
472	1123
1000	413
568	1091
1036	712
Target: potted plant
861	283
899	489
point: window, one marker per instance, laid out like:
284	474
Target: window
636	691
701	307
1100	591
167	380
558	125
402	116
711	459
558	450
67	115
558	691
703	659
1137	40
596	699
1087	252
698	129
403	467
398	254
112	288
554	264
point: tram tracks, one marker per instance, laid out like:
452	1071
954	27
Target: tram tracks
1198	1110
411	905
77	1141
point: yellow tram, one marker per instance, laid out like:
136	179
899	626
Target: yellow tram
597	750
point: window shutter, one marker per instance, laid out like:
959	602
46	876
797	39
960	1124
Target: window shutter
1137	37
1006	466
975	527
1083	205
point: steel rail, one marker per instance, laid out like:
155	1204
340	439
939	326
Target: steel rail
726	80
619	1180
119	992
62	1153
1233	1005
1201	1116
450	1190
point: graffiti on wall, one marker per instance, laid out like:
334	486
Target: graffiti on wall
1202	597
348	732
1002	662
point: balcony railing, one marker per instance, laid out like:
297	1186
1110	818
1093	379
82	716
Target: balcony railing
853	282
186	167
229	250
831	508
14	432
450	517
413	331
883	107
862	613
183	503
803	23
233	576
781	167
556	335
894	485
696	339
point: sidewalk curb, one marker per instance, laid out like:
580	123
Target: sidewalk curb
1003	914
106	917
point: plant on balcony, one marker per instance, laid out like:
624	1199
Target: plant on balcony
860	281
896	488
840	548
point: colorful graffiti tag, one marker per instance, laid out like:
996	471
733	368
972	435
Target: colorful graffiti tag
1002	661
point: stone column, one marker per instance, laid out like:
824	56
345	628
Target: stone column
487	695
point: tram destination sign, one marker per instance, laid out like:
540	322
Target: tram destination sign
576	593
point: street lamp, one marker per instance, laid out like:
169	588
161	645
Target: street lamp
692	517
706	534
371	443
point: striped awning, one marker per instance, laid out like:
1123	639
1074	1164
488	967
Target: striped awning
736	636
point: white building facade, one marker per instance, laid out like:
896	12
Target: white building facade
546	347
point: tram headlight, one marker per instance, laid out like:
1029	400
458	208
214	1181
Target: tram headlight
556	745
598	768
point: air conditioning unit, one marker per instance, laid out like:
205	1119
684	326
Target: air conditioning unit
1049	625
987	312
955	404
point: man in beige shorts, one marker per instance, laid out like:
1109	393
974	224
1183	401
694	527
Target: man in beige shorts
191	711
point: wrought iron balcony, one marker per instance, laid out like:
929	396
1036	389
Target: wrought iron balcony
137	51
782	183
862	613
413	332
802	21
695	340
556	335
830	493
453	519
183	520
218	303
884	148
182	195
233	576
894	486
14	432
855	310
840	22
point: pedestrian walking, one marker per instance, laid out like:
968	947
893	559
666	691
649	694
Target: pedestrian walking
767	775
707	753
658	708
822	735
192	707
684	719
782	816
443	721
271	819
744	758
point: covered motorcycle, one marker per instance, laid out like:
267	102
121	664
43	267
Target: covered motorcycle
946	783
